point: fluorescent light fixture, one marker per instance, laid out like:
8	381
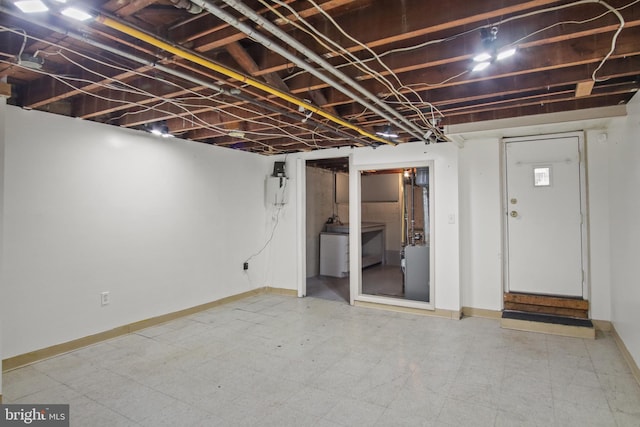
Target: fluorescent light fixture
236	134
506	53
387	132
481	66
482	57
31	6
77	14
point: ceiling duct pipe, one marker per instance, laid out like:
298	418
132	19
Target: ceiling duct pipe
209	64
188	5
308	53
83	38
399	120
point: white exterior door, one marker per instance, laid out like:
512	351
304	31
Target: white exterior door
544	216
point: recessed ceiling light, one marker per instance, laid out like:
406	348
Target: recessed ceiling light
31	6
77	14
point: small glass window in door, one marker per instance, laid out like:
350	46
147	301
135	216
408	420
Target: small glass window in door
542	176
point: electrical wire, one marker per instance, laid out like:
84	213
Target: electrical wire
124	87
277	221
351	59
354	61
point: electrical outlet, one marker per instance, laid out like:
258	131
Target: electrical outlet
105	299
245	266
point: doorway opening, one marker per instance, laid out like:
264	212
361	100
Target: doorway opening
396	201
327	256
394	233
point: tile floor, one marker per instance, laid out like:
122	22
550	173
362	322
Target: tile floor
384	280
273	360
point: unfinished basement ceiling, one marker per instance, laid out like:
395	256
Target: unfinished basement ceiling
317	74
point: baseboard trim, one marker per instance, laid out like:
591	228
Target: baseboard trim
549	328
602	325
438	312
281	291
635	371
45	353
481	312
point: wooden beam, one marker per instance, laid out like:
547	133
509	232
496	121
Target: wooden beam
242	57
127	8
311	11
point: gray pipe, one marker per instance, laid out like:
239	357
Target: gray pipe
269	44
242	8
187	5
175	73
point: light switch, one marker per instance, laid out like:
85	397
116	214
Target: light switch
452	218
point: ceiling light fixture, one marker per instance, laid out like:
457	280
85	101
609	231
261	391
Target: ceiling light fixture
387	132
77	14
31	6
481	66
236	134
160	129
490	52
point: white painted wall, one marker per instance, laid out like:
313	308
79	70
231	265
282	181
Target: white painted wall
162	224
480	224
319	207
166	224
625	228
446	236
3	110
598	188
445	157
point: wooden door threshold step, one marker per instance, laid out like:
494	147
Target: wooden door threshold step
558	306
548	324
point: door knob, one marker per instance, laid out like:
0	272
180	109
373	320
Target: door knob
514	214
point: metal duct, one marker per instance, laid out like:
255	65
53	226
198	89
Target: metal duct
188	5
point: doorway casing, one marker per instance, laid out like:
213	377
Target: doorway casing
583	205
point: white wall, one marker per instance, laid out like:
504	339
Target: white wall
162	224
480	224
624	200
598	188
446	236
319	207
445	157
3	109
